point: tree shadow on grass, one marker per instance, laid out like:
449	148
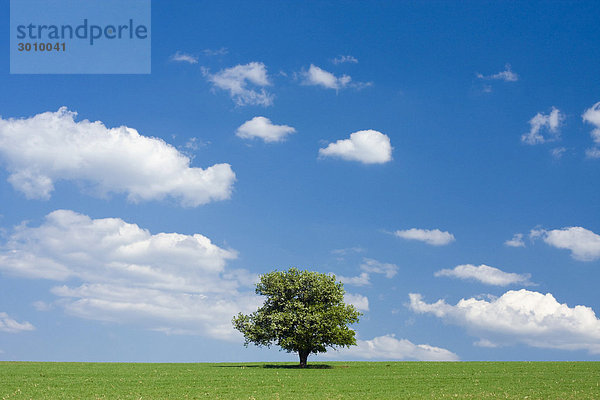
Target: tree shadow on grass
278	366
309	366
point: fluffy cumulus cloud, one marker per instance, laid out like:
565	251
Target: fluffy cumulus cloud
507	75
367	147
9	325
319	77
523	316
516	241
359	280
316	76
486	274
540	123
171	312
263	128
434	237
112	270
236	80
52	146
357	300
592	116
583	243
184	57
389	348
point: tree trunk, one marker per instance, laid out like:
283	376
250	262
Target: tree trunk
303	358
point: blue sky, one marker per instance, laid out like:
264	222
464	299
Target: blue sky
441	158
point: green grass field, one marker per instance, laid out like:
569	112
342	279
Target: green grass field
335	380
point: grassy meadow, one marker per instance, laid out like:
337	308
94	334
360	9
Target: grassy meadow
335	380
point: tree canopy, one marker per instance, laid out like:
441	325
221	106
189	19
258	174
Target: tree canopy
304	312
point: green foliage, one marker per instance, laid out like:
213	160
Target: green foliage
304	312
342	380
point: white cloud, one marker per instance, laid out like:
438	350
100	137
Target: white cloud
536	233
72	245
376	267
522	316
507	75
236	80
195	143
218	52
9	325
117	271
184	57
592	116
389	348
369	266
549	122
359	301
261	127
558	152
516	241
319	77
346	251
344	59
434	237
485	343
367	147
360	280
593	152
42	306
171	312
40	150
485	274
583	244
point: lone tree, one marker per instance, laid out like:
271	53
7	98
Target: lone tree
304	312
